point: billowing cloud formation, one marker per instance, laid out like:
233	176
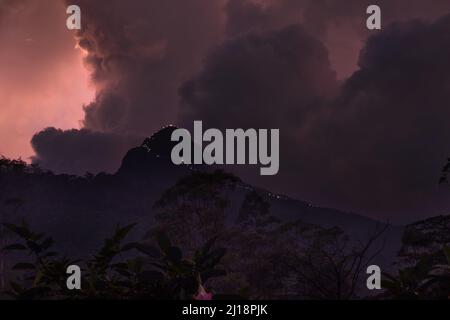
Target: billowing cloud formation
138	52
72	150
340	25
273	80
370	141
42	79
377	147
387	132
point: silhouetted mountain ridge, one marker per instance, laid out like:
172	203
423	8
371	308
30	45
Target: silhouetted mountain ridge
80	211
152	156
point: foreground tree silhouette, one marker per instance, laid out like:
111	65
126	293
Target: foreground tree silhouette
8	209
331	266
193	210
160	272
267	258
424	260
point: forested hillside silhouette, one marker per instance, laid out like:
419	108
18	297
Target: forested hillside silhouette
168	219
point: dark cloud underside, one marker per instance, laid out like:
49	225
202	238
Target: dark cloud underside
367	134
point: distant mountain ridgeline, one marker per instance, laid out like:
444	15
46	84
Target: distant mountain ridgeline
81	209
79	212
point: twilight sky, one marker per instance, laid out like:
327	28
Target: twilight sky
362	114
42	79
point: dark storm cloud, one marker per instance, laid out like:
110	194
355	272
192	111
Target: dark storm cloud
244	16
139	52
78	151
318	16
377	147
389	130
372	144
277	79
273	79
340	25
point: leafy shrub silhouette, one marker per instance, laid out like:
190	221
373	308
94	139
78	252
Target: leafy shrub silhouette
157	272
268	258
424	262
423	281
194	209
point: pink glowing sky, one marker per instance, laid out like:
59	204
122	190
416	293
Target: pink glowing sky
43	81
